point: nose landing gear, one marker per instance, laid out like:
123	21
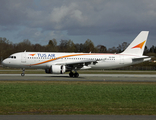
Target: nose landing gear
23	72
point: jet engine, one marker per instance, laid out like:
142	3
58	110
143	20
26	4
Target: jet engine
56	69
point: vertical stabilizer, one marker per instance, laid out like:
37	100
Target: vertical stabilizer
138	44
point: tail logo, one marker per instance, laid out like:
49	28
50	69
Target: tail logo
139	45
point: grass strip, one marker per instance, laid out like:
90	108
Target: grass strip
41	97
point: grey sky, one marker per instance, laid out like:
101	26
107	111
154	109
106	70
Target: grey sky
107	22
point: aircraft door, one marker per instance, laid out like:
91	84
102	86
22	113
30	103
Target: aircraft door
23	57
121	59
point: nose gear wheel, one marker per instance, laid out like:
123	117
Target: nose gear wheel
23	72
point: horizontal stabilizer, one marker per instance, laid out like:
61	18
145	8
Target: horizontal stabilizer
143	59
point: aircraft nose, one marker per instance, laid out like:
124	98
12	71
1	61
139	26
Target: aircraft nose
4	63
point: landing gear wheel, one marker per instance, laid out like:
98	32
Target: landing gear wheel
71	74
76	74
22	74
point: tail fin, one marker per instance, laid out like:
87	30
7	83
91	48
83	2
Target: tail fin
138	44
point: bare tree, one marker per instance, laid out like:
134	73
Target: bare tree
101	49
122	47
52	46
88	46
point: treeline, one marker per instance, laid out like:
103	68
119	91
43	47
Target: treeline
7	48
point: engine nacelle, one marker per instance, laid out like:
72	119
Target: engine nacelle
56	69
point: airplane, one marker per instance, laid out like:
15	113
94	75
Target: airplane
59	63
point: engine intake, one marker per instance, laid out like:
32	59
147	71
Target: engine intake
56	69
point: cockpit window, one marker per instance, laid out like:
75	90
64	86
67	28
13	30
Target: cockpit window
13	57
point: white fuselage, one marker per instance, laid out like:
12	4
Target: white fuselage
43	60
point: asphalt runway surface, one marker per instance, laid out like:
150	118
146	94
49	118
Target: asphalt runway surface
82	77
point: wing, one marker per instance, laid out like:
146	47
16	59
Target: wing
83	64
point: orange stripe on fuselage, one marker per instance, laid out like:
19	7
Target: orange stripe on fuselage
60	58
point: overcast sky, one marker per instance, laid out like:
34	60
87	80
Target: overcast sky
106	22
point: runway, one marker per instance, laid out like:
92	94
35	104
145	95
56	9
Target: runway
82	77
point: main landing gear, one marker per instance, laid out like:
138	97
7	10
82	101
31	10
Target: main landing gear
23	72
71	74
